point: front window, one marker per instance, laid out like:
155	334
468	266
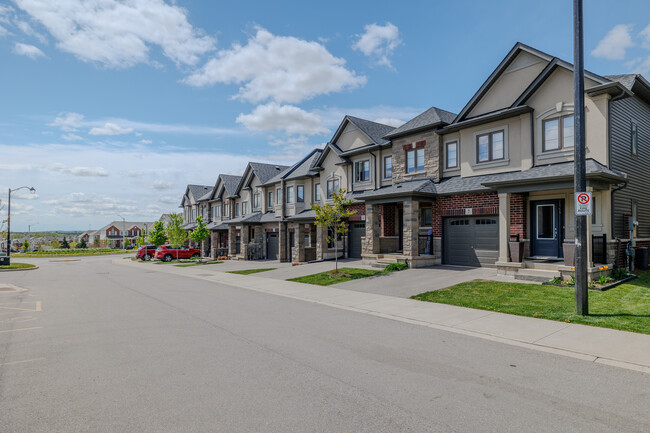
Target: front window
270	199
289	194
244	208
558	133
362	171
388	167
216	211
256	200
490	146
317	193
332	187
426	217
634	139
451	154
226	210
236	209
278	195
415	160
300	190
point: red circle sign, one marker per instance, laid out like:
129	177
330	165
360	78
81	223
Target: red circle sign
583	198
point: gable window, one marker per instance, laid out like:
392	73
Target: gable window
332	187
256	200
489	146
388	167
269	202
317	193
300	193
634	139
557	133
415	160
451	154
289	194
362	171
278	195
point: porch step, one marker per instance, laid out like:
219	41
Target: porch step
547	266
538	275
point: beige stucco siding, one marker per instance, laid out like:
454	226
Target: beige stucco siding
352	138
331	169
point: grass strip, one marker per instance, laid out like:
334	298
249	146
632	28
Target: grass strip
251	271
18	266
344	274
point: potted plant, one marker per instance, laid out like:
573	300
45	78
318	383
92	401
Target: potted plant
516	249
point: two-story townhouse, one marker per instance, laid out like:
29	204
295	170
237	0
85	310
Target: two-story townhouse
221	210
191	204
355	160
114	234
250	216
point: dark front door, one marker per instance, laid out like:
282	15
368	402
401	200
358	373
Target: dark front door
400	229
357	231
272	246
291	240
547	228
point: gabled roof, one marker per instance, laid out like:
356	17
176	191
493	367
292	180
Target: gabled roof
432	118
304	167
227	183
500	69
373	130
194	192
264	173
635	83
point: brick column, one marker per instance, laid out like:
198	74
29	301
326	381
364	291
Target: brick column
232	239
373	229
298	253
504	226
213	244
411	227
244	241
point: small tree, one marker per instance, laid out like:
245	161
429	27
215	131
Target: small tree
82	244
64	244
175	232
26	245
333	216
140	241
157	236
200	233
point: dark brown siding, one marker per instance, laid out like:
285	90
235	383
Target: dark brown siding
622	113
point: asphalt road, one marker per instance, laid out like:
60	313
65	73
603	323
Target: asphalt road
94	346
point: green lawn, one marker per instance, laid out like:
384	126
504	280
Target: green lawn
251	271
343	275
626	307
211	262
15	265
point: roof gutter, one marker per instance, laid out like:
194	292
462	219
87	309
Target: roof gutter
393	136
504	114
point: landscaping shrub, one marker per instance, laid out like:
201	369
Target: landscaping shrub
619	273
394	267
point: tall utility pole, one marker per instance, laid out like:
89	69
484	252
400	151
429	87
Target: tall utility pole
580	178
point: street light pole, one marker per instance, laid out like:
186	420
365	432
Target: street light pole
580	177
123	232
33	190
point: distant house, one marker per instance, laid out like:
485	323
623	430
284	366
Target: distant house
115	233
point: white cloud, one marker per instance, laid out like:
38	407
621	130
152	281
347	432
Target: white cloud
615	43
162	185
379	42
78	171
332	115
389	121
120	34
645	35
642	66
283	69
27	29
68	121
28	50
145	141
288	118
110	129
71	137
3	31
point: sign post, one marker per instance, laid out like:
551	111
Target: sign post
580	178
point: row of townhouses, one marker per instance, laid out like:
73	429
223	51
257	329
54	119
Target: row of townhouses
489	186
116	233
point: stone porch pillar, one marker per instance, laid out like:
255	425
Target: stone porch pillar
298	253
321	242
213	244
232	239
283	237
504	226
244	241
373	229
411	227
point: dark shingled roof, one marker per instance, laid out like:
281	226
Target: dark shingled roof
217	225
307	214
433	116
412	187
304	167
197	192
230	183
627	80
265	172
376	131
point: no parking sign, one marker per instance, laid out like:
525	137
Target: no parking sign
584	203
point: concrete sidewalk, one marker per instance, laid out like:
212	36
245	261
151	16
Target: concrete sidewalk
606	346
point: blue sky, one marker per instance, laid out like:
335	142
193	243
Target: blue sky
111	110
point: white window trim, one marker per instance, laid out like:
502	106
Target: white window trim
303	194
414	149
444	150
383	167
361	182
331	178
489	164
320	193
286	194
560	109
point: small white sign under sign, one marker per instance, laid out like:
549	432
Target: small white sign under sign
584	203
468	211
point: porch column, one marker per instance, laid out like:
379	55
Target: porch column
321	242
283	236
213	244
373	229
504	226
298	253
411	227
232	238
590	232
244	241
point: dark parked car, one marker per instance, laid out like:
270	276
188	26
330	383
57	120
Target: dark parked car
146	252
166	253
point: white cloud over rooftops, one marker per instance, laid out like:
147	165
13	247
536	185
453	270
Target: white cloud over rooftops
379	42
287	118
110	129
615	43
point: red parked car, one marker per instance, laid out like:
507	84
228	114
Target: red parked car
166	253
146	252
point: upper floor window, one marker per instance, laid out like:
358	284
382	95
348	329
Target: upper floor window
317	193
256	200
289	194
278	195
634	139
489	147
269	202
237	209
300	193
332	187
216	211
388	167
244	208
557	133
226	210
451	154
362	171
415	160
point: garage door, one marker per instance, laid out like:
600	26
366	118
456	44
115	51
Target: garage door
471	241
357	231
272	246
